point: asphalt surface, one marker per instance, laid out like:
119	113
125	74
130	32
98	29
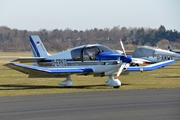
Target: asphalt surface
154	104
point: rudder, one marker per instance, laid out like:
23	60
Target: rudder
37	47
170	48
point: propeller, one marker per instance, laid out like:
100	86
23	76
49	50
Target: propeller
125	59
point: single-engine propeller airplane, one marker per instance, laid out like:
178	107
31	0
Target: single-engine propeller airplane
94	59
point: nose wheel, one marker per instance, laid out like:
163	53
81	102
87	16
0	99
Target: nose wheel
115	83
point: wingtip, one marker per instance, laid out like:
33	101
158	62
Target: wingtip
120	39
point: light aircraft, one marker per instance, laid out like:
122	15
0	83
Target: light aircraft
94	59
152	55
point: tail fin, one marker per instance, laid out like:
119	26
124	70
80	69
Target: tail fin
37	47
170	48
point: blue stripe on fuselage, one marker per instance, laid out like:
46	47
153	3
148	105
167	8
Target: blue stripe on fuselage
34	47
46	61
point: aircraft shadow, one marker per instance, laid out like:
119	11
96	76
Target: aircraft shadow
26	87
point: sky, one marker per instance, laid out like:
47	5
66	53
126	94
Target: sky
34	15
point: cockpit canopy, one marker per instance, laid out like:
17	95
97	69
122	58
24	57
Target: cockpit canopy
88	52
143	51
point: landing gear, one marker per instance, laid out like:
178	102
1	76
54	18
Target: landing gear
66	83
115	83
134	64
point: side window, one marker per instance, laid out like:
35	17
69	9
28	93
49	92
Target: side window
76	54
90	53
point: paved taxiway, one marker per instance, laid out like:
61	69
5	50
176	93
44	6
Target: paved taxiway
154	104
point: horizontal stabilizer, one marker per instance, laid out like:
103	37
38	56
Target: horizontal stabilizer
150	67
28	59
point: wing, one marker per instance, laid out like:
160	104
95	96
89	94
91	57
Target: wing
28	59
150	67
35	71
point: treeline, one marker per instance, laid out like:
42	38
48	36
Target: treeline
58	40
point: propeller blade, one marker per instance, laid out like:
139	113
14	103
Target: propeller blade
124	64
120	69
127	65
122	46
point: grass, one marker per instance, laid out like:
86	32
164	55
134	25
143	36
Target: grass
13	83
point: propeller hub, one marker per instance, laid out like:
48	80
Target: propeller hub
126	59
